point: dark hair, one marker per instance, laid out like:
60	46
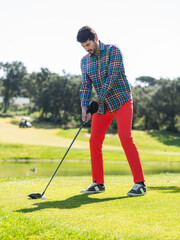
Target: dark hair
86	33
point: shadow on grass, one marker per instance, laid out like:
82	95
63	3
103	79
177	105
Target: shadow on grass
69	203
166	189
167	138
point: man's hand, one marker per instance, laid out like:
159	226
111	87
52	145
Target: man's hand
85	116
97	100
93	108
87	112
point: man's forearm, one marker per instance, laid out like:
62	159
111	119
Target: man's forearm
84	108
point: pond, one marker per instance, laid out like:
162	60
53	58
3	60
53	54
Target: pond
78	168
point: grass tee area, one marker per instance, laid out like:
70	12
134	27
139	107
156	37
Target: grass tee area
67	214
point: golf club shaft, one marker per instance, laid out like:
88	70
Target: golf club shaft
64	157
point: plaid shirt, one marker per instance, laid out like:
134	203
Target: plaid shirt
106	73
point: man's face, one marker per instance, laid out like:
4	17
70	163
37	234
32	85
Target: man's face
91	46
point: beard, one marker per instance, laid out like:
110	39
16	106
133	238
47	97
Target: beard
94	51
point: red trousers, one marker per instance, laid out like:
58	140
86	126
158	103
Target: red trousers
99	126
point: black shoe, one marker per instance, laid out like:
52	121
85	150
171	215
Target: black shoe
94	188
139	189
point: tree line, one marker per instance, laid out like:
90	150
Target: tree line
56	98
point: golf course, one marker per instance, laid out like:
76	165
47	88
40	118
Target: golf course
29	157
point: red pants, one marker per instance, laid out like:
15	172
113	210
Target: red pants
99	126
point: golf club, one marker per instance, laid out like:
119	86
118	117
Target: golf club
38	195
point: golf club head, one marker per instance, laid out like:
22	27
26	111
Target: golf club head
35	195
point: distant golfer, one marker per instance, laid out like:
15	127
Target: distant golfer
103	67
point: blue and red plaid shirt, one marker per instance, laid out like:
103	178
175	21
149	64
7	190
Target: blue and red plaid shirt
106	73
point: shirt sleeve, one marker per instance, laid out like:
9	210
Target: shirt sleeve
86	86
115	64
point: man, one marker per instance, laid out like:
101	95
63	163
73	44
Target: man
103	67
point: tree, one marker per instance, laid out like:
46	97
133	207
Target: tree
13	74
74	104
143	107
146	80
167	102
143	102
56	97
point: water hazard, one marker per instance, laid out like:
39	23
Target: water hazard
78	168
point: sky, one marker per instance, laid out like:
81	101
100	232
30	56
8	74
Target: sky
42	33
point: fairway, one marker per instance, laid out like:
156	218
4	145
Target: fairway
51	143
67	214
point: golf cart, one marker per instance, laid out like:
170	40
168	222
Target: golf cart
25	122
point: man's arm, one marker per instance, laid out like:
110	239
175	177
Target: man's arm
115	64
85	93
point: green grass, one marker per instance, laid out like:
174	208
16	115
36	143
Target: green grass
67	214
52	143
25	151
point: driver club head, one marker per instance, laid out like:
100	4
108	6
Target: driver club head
35	195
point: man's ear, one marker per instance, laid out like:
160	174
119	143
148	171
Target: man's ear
96	38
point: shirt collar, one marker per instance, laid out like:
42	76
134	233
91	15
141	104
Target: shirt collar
101	46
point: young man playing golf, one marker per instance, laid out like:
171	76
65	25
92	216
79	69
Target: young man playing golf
103	67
